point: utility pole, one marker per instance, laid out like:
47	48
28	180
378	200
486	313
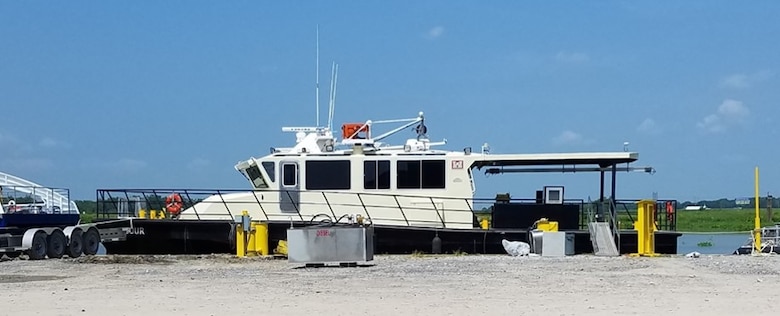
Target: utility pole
769	207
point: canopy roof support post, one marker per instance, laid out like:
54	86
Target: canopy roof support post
601	196
600	204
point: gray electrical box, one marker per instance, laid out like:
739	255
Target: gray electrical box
557	244
320	245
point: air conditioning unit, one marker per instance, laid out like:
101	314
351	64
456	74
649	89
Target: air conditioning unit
553	195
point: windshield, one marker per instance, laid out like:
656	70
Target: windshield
256	177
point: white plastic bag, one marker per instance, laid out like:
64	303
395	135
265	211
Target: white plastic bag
516	248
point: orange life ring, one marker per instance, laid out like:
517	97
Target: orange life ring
173	203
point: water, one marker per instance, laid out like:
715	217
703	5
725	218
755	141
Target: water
721	243
101	249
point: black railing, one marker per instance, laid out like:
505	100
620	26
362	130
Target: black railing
126	202
114	203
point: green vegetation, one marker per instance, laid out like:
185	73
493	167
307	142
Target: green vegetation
88	211
719	220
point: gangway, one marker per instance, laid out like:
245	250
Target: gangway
603	240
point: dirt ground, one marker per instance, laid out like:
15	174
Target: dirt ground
393	285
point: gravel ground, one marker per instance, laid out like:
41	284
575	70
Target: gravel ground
438	285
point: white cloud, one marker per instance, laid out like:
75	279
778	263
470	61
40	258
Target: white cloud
569	138
743	81
573	57
48	142
648	126
198	163
435	32
737	81
729	113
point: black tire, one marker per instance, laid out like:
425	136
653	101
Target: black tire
76	244
91	242
38	249
56	244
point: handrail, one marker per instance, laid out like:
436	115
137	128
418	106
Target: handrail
108	204
401	209
325	197
630	218
366	210
105	211
614	220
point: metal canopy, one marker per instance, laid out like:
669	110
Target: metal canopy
602	160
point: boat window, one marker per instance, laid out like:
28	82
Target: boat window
270	168
289	174
253	172
369	175
433	176
383	174
328	175
376	174
421	174
408	174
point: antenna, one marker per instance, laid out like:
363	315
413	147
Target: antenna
317	84
332	105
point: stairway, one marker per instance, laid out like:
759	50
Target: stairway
602	239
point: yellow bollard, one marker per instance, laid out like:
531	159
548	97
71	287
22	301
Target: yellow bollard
260	238
645	228
485	224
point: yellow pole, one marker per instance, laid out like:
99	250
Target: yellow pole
240	241
757	231
241	235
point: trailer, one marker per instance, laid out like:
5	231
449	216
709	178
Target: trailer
42	222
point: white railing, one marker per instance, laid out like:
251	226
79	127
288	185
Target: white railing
45	199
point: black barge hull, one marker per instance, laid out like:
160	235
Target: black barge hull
163	236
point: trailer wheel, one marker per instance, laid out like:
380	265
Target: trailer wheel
57	242
76	244
91	241
38	249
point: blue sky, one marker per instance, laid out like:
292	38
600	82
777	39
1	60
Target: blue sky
172	94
